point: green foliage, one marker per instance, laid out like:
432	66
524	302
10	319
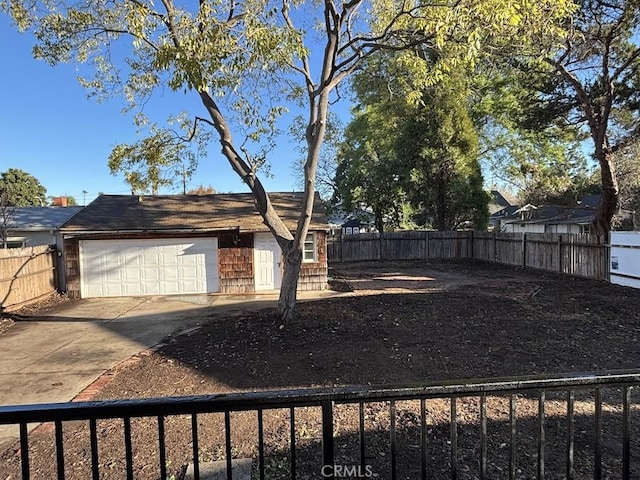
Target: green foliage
154	162
245	60
592	82
520	147
412	162
22	189
367	176
440	144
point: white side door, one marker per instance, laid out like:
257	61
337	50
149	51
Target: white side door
266	261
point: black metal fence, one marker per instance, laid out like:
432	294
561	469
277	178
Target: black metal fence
577	426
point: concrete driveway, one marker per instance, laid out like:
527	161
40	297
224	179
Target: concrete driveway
52	357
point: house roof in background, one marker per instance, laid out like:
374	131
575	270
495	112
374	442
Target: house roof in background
554	216
40	218
590	201
220	211
356	217
502	199
583	212
505	212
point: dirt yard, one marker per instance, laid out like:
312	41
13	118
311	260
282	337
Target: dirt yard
399	324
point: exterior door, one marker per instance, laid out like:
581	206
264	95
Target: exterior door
267	261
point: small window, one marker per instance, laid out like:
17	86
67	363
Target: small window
15	242
309	248
356	230
587	229
349	230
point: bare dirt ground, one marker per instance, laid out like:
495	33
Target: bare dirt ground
401	324
7	319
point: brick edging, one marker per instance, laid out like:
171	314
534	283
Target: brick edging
90	391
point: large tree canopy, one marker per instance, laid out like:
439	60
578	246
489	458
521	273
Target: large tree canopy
440	143
411	162
242	58
593	82
22	189
153	162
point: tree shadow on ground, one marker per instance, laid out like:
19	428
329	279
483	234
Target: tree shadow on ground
562	325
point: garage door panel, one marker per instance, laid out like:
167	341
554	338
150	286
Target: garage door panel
169	273
150	274
148	267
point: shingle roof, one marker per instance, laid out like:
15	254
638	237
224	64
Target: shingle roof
505	212
500	198
40	218
554	216
221	211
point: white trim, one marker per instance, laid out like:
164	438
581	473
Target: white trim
315	248
267	260
151	266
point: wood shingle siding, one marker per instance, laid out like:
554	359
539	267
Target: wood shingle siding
236	270
231	219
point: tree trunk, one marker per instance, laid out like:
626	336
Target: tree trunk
288	289
610	191
441	204
379	221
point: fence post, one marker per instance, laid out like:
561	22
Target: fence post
607	259
559	253
327	439
428	251
524	249
341	247
471	245
495	249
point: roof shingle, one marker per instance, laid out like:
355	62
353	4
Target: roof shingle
220	211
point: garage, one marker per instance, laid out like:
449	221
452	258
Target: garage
158	266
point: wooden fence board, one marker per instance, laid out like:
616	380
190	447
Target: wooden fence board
26	274
580	255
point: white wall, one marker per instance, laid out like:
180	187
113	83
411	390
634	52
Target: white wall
526	228
625	258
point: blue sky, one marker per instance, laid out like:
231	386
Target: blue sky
50	129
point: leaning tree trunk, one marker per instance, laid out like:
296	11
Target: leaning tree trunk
610	191
292	258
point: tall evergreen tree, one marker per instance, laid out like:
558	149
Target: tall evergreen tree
22	189
439	142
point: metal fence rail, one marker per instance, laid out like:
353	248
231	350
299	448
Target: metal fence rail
610	389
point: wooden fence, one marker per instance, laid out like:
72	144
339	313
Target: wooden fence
26	274
571	254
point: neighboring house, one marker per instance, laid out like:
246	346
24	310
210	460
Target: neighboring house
31	226
501	210
352	223
498	201
554	218
499	219
350	226
129	245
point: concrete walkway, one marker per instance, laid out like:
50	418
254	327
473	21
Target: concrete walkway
54	356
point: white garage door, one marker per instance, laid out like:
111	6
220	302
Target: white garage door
169	266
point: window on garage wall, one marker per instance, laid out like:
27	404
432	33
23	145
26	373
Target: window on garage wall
309	248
